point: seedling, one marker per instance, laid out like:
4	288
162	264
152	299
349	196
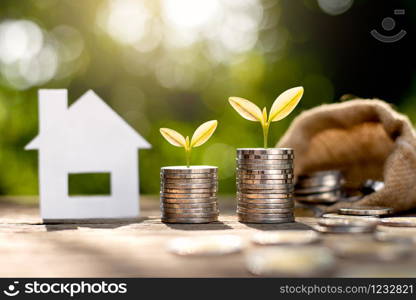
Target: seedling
200	136
281	108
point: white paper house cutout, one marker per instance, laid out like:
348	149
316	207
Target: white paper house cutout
87	137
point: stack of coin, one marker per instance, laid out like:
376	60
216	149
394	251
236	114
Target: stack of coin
189	194
319	187
265	185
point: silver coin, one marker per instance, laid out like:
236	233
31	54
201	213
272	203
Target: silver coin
340	229
285	237
319	198
265	181
206	245
371	186
206	205
189	181
265	156
283	196
189	170
265	177
189	220
339	222
324	183
338	216
315	190
264	172
266	216
262	151
274	191
246	219
273	162
265	201
190	186
189	215
189	191
189	210
283	186
289	261
287	205
366	211
189	200
333	173
207	176
189	196
399	221
264	210
395	237
255	167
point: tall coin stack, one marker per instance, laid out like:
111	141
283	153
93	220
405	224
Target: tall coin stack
319	187
189	194
265	185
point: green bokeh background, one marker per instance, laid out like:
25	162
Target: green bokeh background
329	55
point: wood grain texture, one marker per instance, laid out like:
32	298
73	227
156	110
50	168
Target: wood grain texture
29	248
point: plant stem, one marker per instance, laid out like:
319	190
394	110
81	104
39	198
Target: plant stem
265	134
188	157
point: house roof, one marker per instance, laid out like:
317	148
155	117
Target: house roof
91	120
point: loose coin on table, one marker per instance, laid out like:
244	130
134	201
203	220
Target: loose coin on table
395	237
206	245
292	237
300	261
372	250
366	211
399	221
351	217
341	225
329	222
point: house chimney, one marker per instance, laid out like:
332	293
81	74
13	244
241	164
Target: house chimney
53	106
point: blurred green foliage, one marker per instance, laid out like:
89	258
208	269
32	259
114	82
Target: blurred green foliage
170	86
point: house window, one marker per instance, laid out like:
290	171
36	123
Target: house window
80	184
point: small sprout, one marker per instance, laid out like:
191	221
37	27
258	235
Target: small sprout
281	108
200	136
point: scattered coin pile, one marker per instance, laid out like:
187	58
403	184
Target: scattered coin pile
319	187
265	185
189	194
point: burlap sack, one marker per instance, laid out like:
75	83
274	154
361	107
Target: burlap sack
366	139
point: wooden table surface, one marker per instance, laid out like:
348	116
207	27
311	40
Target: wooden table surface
29	248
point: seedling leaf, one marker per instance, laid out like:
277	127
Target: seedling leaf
203	133
285	104
173	137
247	109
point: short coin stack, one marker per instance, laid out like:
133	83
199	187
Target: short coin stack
319	187
189	194
265	185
